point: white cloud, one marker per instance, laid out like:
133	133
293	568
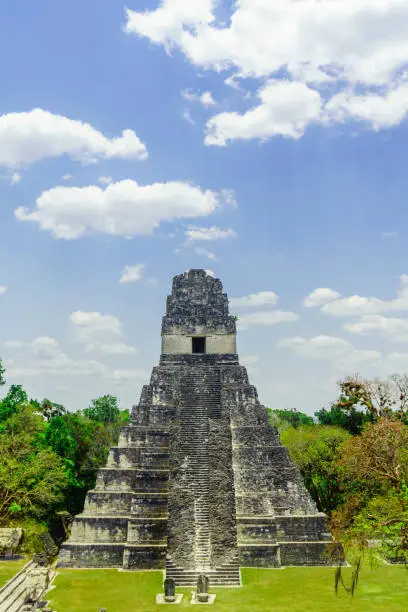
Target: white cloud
205	98
379	110
59	367
123	208
110	348
44	357
390	234
15	178
3	289
26	138
105	180
132	274
285	109
228	196
95	322
14	344
187	117
320	296
255	300
67	177
332	46
210	273
263	36
328	347
45	347
205	253
393	363
266	317
167	23
95	331
391	328
208	234
358	305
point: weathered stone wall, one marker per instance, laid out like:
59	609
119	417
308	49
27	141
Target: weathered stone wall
197	306
179	343
91	554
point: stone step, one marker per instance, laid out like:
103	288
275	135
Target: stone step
214	578
191	581
211	573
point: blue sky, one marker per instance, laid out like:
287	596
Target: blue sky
259	143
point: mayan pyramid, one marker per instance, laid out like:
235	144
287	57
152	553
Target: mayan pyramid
199	481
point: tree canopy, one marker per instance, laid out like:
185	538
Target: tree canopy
292	418
104	409
316	450
49	457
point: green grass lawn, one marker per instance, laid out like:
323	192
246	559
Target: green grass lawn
9	568
287	590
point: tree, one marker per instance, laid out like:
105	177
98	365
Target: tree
373	465
378	457
15	398
104	409
384	520
83	444
350	419
2	373
377	398
294	418
32	478
316	450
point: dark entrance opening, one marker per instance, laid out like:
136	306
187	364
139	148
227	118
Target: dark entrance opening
198	345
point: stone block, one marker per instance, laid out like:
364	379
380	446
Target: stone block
256	530
99	529
302	528
147	530
144	557
258	435
149	504
259	555
150	437
108	502
90	555
306	553
149	458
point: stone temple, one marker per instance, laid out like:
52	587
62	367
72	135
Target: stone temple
199	482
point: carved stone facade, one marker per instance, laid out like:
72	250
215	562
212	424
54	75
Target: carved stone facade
199	482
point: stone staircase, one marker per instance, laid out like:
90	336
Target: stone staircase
227	575
200	401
